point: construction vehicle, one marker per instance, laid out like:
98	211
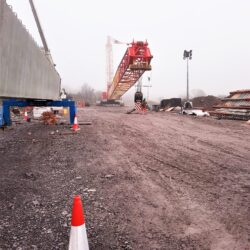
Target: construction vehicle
140	103
134	63
138	93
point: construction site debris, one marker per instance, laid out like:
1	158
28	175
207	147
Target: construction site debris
155	107
49	118
236	106
195	112
206	102
92	190
38	111
85	123
169	109
109	176
16	111
35	203
168	103
177	109
29	175
175	104
235	114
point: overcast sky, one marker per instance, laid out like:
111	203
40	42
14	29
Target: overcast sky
216	30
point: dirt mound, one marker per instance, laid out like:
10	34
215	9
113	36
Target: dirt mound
206	101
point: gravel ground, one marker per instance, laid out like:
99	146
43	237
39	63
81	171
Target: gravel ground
154	181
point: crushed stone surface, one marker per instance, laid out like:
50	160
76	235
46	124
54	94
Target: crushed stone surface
154	181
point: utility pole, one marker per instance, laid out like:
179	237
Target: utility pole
148	86
139	86
187	55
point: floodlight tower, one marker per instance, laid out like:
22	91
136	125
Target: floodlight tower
187	55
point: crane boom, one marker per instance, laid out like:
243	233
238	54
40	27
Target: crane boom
109	58
41	33
40	30
134	63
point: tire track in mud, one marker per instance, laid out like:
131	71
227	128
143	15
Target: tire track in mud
153	189
204	174
174	164
134	143
173	189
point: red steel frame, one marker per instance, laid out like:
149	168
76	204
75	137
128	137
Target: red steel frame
134	63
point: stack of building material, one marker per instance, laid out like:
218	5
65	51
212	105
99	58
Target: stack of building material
236	106
169	103
38	111
49	118
206	102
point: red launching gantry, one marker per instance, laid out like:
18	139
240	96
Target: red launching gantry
134	63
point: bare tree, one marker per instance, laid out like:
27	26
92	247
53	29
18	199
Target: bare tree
198	92
87	94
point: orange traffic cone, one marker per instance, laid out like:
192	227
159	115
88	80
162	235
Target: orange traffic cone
25	118
75	126
78	235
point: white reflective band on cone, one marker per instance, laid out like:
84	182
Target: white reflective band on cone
78	238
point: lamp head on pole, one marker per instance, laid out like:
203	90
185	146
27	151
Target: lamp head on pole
187	54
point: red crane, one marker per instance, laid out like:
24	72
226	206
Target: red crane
134	63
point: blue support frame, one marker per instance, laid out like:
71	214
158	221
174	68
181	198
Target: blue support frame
1	116
37	103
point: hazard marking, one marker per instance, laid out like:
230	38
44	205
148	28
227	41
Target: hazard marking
138	106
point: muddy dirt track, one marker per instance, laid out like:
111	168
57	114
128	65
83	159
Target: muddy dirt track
159	181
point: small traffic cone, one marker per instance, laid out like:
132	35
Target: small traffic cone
78	235
75	126
25	118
